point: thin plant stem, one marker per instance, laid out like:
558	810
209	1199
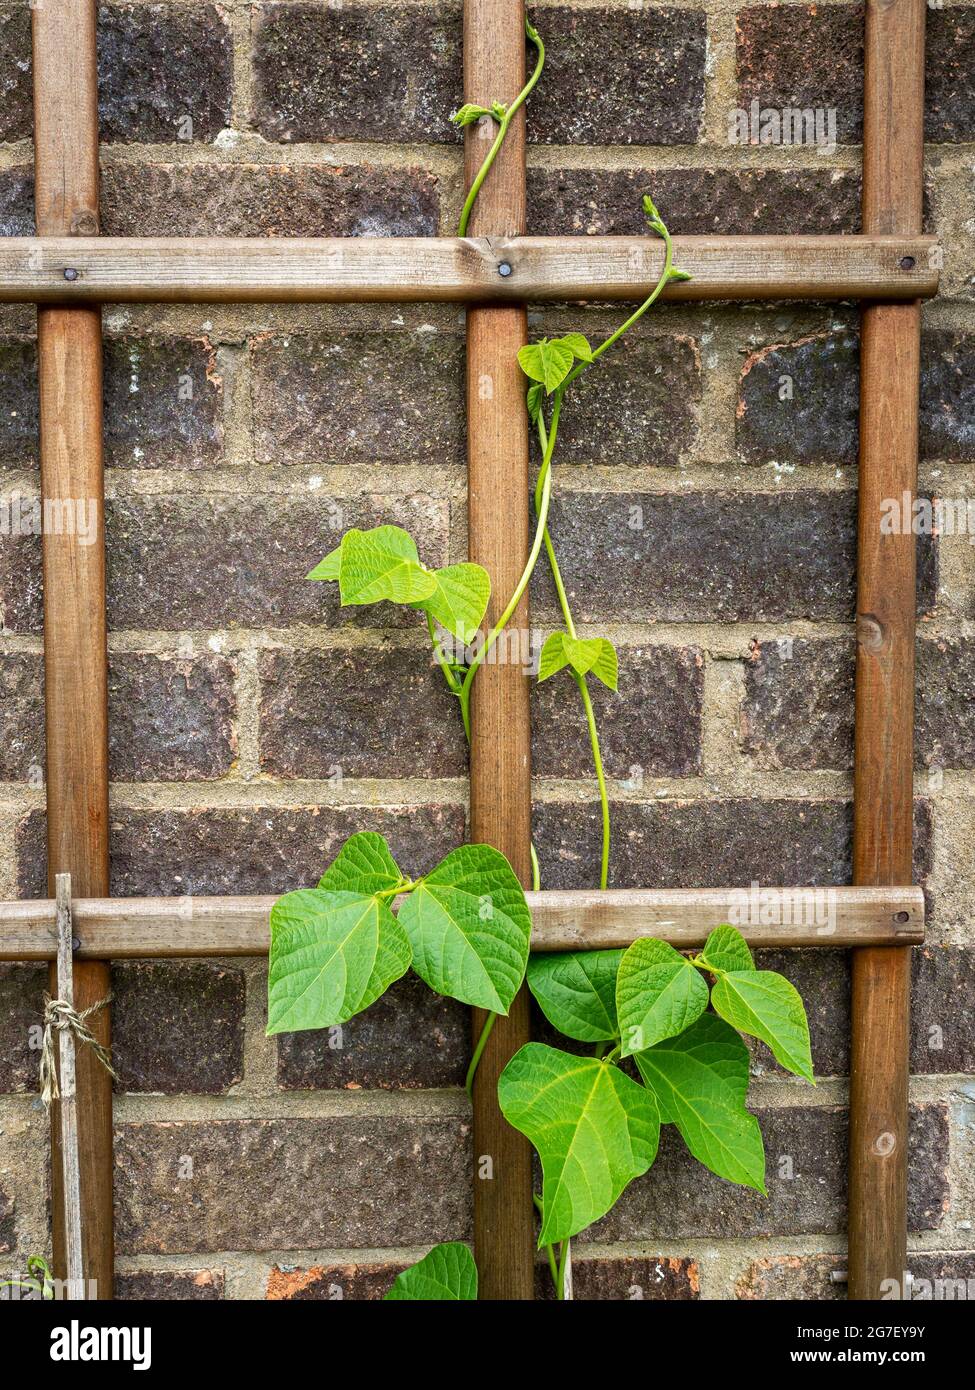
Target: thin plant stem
503	125
564	1256
549	1249
489	1023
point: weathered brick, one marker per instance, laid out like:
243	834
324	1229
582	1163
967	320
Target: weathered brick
21	1010
357	72
237	561
639	409
804	56
942	1023
162	402
265	200
16	112
342	1182
625	1278
708	844
19	416
798	402
693	202
944	733
822	977
807	1277
715	556
21	717
653	726
359	1283
806	1176
20	579
171	720
409	1038
645	88
389	397
373	712
177	1026
17	201
165	72
8	1232
168	720
798	705
263	850
155	1285
812	56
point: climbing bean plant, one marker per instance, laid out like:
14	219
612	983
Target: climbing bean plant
664	1028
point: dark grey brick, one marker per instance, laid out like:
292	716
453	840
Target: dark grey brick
693	202
390	397
21	717
156	1285
19	414
942	1023
20	579
637	408
410	1038
372	712
21	1012
715	556
356	72
171	720
806	1153
619	77
343	1182
165	72
17	201
822	978
177	1026
267	200
653	725
798	705
267	850
944	714
238	561
16	110
625	1278
708	844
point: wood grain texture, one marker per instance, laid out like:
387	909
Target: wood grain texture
159	928
498	491
75	655
884	757
424	269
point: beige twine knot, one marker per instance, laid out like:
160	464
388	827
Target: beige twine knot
59	1015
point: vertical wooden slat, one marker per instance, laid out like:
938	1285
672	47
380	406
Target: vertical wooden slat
494	66
75	661
886	603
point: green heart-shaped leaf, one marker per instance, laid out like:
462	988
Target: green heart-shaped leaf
578	345
595	654
727	949
700	1079
459	600
382	564
332	954
594	1128
363	865
470	927
548	361
447	1274
329	568
658	994
765	1005
577	992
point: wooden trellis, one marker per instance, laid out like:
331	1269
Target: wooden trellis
69	272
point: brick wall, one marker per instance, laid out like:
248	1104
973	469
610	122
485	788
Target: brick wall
253	726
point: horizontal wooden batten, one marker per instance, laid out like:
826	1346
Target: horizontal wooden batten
480	270
155	928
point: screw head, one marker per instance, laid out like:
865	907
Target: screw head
504	269
907	263
70	274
